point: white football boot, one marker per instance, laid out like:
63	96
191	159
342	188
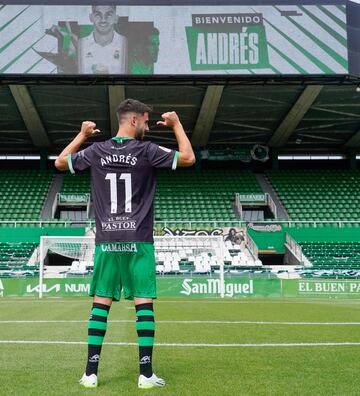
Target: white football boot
148	383
89	381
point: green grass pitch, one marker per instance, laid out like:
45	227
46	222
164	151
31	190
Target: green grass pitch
54	369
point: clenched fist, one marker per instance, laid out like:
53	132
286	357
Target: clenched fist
88	128
170	119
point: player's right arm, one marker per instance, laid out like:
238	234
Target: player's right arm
87	130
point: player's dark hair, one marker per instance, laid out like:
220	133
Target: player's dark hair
93	7
132	106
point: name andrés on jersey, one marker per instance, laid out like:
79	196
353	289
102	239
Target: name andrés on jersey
115	158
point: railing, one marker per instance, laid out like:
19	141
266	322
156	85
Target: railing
271	205
296	250
252	247
238	205
185	223
46	223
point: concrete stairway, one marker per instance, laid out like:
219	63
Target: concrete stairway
267	188
54	189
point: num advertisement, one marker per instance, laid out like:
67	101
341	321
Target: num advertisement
194	287
173	40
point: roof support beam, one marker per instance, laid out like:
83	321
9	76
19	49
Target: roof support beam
116	95
354	141
206	117
30	115
295	115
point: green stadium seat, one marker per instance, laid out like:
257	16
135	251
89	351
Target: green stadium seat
318	195
23	193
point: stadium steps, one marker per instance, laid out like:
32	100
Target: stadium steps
267	188
55	188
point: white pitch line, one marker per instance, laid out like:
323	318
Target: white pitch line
296	344
245	322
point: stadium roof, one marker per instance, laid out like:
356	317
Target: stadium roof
294	118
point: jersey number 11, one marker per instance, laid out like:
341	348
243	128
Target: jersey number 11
113	191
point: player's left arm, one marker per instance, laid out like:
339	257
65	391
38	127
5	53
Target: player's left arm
186	154
87	130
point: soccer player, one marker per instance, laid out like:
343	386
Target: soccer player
104	51
123	182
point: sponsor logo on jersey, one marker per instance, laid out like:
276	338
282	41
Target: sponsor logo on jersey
129	225
119	247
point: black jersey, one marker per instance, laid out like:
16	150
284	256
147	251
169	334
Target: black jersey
123	183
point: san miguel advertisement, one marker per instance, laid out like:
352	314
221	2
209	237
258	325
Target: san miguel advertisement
173	40
196	286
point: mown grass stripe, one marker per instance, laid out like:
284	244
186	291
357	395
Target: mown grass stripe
231	322
192	345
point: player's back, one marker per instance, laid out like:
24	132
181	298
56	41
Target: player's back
123	183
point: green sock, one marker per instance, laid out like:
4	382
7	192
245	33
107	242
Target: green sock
96	332
145	327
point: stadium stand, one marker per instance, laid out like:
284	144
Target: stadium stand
319	195
17	246
181	257
329	250
76	184
14	258
333	255
201	196
22	193
184	196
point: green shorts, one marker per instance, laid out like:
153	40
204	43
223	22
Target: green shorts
127	266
